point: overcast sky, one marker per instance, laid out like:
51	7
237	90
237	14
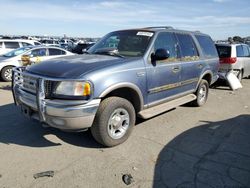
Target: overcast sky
86	18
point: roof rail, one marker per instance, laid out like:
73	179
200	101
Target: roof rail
159	27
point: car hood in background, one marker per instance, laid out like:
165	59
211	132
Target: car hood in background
2	58
74	66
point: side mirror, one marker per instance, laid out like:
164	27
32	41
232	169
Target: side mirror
160	54
25	59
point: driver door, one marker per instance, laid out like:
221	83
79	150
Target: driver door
163	77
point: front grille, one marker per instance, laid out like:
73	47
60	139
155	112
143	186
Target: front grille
29	83
48	88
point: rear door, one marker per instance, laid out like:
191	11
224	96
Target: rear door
246	54
54	52
239	65
209	57
191	65
163	76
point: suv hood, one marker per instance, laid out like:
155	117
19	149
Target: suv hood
73	66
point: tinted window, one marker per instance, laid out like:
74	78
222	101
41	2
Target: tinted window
188	48
37	43
26	44
1	44
37	52
224	51
168	42
53	51
12	45
207	46
239	51
245	51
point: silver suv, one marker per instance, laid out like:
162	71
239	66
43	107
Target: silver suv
234	57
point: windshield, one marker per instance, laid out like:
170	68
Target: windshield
17	52
130	43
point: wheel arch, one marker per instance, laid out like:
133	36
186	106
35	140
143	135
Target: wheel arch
129	91
205	76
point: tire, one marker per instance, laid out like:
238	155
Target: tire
240	74
201	94
114	121
6	74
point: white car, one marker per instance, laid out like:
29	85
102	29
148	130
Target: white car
235	58
7	45
35	54
50	42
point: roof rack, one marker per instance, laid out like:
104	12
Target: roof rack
159	27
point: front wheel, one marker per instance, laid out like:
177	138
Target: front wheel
114	121
6	74
201	93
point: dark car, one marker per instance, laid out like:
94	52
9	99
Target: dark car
129	73
81	47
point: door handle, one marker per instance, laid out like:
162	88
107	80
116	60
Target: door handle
200	66
176	69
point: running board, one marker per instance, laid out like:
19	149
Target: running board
153	111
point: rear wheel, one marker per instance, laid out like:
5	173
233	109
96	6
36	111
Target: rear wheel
114	121
6	74
240	74
201	93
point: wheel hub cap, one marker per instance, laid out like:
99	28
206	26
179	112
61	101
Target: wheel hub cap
118	123
8	74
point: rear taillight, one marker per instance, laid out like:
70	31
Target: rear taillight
228	60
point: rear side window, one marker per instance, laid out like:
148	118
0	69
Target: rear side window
239	51
26	44
12	45
53	51
188	49
207	46
37	52
246	51
224	51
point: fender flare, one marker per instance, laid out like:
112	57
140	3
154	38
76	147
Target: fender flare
124	85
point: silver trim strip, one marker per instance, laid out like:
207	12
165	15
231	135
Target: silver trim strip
168	99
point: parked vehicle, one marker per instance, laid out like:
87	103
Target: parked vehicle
234	57
128	73
27	55
80	48
50	42
67	44
7	45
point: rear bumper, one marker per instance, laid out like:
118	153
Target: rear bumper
62	114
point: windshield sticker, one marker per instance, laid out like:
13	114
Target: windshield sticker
142	33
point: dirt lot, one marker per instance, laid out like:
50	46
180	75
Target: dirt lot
206	147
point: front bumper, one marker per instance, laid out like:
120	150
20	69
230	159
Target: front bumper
68	115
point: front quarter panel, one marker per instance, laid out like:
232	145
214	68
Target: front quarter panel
129	74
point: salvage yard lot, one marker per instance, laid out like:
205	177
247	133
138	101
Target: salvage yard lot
185	146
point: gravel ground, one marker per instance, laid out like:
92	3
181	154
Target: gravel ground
185	147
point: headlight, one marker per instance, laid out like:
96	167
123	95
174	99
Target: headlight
73	88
